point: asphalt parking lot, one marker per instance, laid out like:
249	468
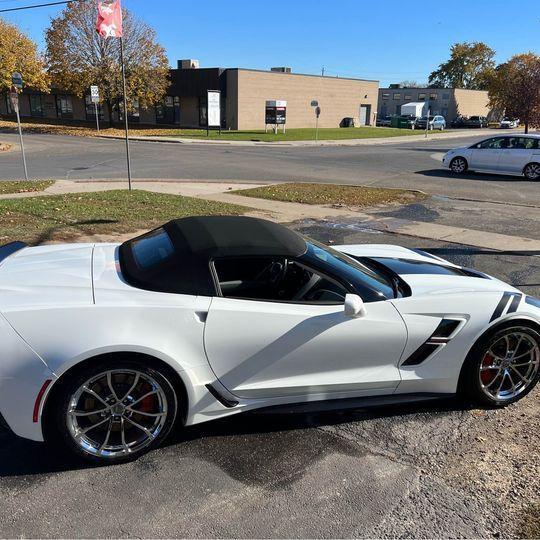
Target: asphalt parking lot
433	470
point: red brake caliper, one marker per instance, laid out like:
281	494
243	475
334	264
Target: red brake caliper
487	375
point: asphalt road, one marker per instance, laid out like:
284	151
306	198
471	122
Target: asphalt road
430	471
414	165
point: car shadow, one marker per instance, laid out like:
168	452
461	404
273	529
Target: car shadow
20	457
50	233
474	176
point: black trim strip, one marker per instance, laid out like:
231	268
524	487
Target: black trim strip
515	303
421	354
500	307
222	399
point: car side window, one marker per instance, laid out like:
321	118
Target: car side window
522	143
493	144
275	279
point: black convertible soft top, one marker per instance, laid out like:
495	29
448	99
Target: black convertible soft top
176	257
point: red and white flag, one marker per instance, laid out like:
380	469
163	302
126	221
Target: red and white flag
109	21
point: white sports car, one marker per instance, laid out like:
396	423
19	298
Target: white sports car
106	347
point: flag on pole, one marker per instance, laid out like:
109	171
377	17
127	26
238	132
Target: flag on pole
109	21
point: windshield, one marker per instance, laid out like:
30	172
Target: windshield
369	284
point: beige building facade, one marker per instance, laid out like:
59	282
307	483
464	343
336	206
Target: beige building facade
249	90
448	102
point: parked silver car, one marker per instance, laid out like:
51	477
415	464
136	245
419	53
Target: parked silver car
435	122
510	154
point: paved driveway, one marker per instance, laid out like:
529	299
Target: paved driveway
438	470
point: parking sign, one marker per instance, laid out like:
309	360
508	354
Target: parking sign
94	94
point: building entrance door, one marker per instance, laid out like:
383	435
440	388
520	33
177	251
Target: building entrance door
365	114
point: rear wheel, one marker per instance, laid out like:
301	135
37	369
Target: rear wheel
459	165
532	171
504	366
112	412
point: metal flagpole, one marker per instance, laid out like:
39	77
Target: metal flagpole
125	110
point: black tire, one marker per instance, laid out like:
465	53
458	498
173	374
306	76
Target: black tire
59	429
472	385
459	165
532	172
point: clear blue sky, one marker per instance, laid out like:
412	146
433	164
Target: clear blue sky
387	40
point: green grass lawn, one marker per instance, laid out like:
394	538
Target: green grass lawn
65	217
9	187
358	196
305	134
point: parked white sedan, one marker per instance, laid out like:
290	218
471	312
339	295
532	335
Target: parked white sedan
511	154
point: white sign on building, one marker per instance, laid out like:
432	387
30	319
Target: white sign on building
214	108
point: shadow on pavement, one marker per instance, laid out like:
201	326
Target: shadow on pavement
477	177
240	435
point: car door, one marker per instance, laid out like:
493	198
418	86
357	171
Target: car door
487	154
516	155
270	349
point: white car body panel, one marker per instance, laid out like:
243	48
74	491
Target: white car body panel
61	305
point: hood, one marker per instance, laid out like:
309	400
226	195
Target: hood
427	274
47	276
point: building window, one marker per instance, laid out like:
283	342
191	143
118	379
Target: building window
434	96
36	105
397	97
64	106
203	113
165	111
421	97
408	97
133	110
91	109
9	108
176	102
386	96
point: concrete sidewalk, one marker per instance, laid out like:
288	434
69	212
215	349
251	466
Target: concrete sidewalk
289	212
341	142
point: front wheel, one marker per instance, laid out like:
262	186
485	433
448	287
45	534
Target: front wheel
532	171
112	412
459	165
503	367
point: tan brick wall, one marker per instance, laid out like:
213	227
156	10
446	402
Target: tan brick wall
472	102
338	98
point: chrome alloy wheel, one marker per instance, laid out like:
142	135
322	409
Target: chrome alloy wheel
509	366
458	165
117	413
532	171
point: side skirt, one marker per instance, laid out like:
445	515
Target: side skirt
350	403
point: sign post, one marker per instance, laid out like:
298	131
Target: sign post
315	105
17	82
94	96
213	111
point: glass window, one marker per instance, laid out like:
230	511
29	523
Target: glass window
64	106
434	96
493	144
397	96
153	249
202	112
9	107
421	97
522	143
36	105
276	279
408	97
386	96
91	109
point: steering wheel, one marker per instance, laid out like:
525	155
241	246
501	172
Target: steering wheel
274	272
304	291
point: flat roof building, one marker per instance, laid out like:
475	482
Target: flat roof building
244	93
447	102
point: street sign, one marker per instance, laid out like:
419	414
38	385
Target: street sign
94	94
314	103
318	111
14	97
17	81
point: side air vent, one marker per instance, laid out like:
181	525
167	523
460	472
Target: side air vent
446	328
442	335
421	354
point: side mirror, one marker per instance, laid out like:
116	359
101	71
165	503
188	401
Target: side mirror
354	306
